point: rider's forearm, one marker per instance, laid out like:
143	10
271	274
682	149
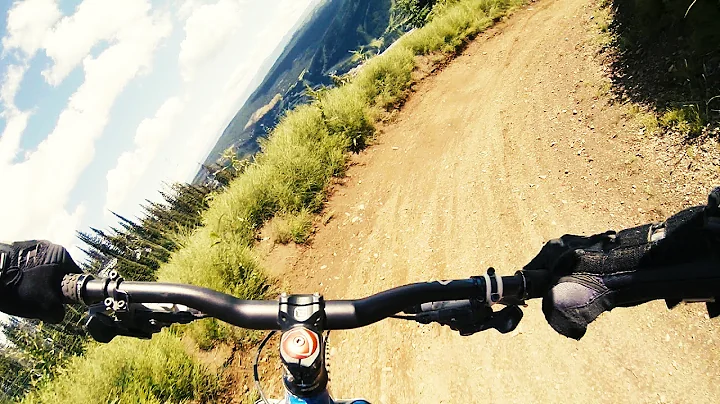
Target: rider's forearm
698	281
678	259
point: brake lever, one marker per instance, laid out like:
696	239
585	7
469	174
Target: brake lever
468	316
112	318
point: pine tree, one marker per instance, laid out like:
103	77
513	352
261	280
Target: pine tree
131	262
137	247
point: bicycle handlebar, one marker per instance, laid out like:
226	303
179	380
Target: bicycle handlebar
339	314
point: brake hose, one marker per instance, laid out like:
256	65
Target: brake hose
256	375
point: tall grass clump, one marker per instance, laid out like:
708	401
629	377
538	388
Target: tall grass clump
290	177
132	371
454	21
685	119
383	80
291	227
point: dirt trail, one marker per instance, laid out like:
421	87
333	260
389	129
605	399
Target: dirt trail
509	146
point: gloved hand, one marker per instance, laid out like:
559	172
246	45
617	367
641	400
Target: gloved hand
591	275
31	273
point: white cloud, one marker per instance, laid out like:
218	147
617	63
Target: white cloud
131	165
41	184
28	23
206	31
61	226
185	8
94	21
15	120
15	123
11	85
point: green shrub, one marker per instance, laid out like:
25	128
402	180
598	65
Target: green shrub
345	114
454	21
292	227
685	119
132	371
225	264
383	80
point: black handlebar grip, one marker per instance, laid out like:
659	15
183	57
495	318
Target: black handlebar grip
70	289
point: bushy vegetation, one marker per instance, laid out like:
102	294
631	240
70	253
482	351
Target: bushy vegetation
452	22
381	82
289	179
295	228
668	58
685	119
132	371
34	352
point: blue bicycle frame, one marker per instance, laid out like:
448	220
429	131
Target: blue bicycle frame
323	398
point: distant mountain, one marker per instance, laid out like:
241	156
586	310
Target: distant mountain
332	39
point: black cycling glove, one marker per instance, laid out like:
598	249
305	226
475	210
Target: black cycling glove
674	260
31	274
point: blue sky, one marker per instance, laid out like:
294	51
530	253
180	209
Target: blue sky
103	101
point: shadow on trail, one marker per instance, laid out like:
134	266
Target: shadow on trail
665	58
